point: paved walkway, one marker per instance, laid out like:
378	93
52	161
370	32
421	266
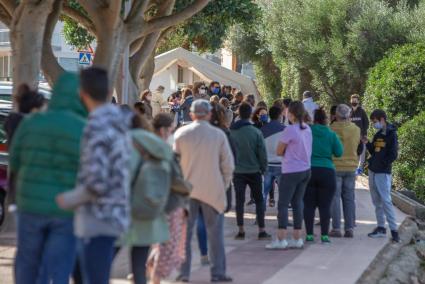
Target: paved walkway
249	263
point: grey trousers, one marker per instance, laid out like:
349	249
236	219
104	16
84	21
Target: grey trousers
345	185
214	223
291	190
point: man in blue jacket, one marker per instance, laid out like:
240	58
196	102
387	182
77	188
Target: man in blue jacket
384	151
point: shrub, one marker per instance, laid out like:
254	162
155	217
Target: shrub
397	83
409	169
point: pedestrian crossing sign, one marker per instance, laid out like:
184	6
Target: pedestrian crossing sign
85	58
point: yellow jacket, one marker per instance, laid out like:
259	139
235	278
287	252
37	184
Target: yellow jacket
349	134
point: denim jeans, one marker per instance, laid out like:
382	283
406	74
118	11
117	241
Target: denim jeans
201	234
272	174
380	191
45	249
214	222
96	255
345	185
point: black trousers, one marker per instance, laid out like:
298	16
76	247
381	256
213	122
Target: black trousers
139	256
255	182
320	192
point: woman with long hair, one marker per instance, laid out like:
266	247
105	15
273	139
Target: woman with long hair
146	98
295	147
322	186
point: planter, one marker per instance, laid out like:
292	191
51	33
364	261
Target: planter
408	205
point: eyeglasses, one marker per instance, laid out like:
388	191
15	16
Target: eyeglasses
203	88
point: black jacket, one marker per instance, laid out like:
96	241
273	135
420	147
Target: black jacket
359	118
383	150
11	124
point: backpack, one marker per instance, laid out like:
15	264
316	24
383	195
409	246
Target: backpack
158	185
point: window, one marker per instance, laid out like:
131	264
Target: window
180	74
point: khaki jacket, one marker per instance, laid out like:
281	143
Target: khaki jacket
207	162
349	134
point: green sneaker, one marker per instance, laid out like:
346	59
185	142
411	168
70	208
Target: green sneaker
309	238
325	240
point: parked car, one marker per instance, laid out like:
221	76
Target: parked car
7	87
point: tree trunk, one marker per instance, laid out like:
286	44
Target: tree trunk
147	73
27	33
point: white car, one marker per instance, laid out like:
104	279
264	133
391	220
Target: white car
7	87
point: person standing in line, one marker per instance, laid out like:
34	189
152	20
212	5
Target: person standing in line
260	117
272	133
359	118
333	114
295	146
250	99
200	91
286	103
28	101
251	164
219	119
100	196
214	89
229	113
349	134
309	104
187	100
158	100
39	171
321	187
384	151
237	100
146	99
208	164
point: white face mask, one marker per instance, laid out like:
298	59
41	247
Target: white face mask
202	91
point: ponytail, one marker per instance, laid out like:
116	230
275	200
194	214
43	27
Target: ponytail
296	108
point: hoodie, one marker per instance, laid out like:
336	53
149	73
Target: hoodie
45	151
101	193
326	145
251	155
383	150
359	118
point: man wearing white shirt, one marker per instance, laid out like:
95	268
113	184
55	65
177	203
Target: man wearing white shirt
309	105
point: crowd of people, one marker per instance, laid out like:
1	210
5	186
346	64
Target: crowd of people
90	177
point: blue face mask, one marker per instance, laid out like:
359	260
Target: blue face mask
216	91
264	118
377	125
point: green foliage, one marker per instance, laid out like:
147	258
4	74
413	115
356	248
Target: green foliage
397	83
249	43
409	169
336	41
207	29
75	34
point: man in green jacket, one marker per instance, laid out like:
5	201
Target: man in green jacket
251	164
44	158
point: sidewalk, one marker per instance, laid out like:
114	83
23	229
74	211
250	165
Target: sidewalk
249	263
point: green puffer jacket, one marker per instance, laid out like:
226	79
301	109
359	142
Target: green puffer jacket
45	151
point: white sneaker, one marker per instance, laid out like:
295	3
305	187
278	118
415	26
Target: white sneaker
297	244
277	244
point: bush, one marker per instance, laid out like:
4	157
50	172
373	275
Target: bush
409	169
397	83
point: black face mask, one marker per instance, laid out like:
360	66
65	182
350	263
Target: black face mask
354	104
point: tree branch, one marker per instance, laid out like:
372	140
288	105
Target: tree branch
49	64
79	17
140	28
5	17
138	8
9	6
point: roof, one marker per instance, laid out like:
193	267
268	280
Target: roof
207	70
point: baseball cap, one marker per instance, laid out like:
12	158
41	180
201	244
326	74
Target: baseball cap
200	107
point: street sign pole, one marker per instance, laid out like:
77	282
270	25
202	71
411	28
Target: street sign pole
125	62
